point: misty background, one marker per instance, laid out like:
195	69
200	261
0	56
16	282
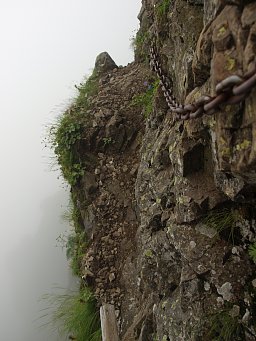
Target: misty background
47	46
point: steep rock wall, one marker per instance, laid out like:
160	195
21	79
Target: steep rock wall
170	205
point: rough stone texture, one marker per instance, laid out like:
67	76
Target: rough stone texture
105	195
210	163
104	63
151	183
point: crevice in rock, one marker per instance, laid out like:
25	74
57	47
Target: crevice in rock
193	160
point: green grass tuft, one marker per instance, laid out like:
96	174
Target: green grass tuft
75	242
162	8
252	251
225	327
146	99
75	314
72	214
139	43
75	249
86	90
223	220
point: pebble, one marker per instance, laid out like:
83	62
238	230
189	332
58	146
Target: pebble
125	168
235	251
235	311
111	277
207	286
246	316
225	291
117	233
220	301
192	244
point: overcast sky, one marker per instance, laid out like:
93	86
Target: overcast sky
47	46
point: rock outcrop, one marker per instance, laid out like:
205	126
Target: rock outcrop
170	205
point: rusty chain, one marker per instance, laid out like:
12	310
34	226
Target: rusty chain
231	90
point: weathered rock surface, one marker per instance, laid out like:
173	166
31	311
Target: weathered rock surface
104	63
169	266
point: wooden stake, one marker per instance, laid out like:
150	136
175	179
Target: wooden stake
108	323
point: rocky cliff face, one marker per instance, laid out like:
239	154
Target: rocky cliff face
170	205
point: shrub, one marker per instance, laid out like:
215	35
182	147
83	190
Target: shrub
65	135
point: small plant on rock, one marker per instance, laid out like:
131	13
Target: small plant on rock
86	90
107	141
75	244
223	221
252	251
72	215
139	43
75	249
148	253
225	327
65	135
146	99
162	8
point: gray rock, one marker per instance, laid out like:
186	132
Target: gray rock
225	291
88	218
104	63
89	183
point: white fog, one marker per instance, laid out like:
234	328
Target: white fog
46	48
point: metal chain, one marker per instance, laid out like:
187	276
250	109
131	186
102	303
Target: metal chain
231	90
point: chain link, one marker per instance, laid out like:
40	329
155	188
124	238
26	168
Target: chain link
231	90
